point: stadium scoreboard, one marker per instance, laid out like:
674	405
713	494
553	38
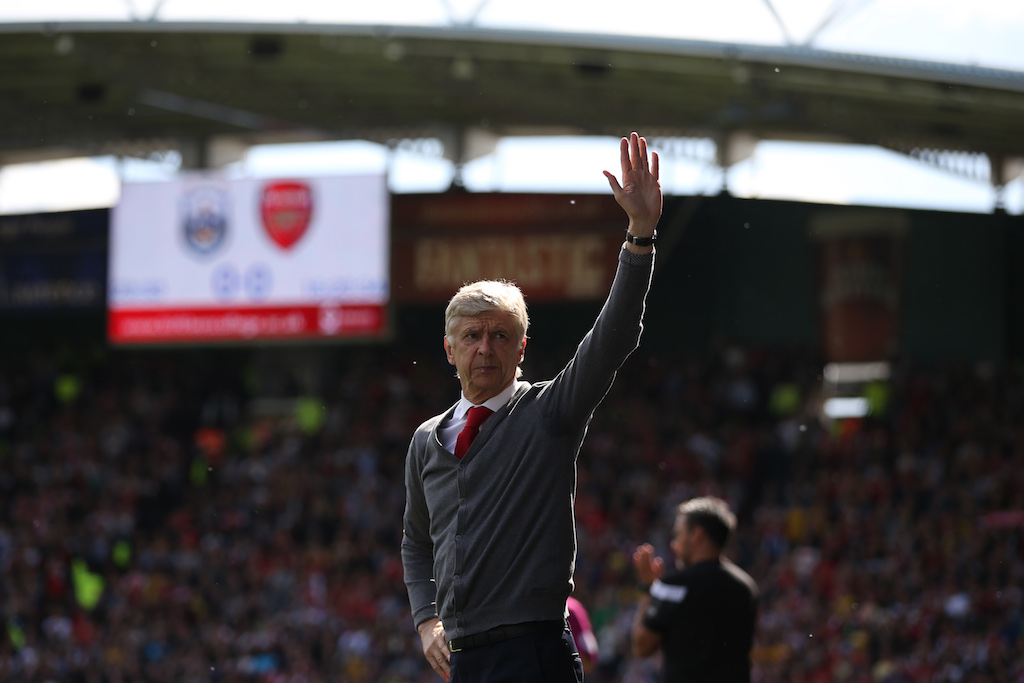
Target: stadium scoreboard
203	259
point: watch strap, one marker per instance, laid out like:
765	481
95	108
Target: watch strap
641	241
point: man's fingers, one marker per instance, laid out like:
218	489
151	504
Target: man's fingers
441	647
613	182
439	656
442	667
642	556
634	156
435	648
636	193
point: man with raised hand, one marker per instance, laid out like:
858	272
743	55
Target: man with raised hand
489	543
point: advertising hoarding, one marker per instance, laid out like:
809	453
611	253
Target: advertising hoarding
556	247
860	273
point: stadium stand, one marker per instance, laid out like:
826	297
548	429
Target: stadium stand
199	515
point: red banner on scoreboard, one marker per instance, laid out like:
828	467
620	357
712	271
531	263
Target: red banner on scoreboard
235	324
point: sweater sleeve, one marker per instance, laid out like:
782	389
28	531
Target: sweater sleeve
417	547
583	383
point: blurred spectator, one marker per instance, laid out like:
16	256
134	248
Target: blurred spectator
700	611
583	634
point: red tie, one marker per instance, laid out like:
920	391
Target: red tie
476	416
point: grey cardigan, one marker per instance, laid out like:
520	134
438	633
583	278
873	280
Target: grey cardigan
490	539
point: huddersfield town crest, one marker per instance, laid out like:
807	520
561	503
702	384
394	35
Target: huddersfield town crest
205	223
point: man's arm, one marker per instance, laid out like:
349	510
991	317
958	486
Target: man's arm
417	546
644	641
616	332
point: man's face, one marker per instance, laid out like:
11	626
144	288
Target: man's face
486	350
682	542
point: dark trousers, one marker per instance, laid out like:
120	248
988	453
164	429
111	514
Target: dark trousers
542	657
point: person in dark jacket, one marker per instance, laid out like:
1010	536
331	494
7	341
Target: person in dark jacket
703	612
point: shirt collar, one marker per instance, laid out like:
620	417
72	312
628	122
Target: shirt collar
495	403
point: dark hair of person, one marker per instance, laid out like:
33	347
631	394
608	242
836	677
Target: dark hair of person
711	514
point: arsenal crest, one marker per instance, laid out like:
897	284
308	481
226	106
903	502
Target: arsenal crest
205	220
286	209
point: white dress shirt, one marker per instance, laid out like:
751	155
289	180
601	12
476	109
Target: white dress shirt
449	433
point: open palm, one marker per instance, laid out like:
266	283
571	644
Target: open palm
639	195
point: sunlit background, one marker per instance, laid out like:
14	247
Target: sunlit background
981	33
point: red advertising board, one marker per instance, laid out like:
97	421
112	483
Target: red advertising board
555	247
860	261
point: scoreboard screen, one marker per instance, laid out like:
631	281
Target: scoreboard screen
207	259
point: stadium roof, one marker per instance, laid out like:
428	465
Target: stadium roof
70	89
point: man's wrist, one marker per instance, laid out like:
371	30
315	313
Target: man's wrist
641	240
427	624
641	228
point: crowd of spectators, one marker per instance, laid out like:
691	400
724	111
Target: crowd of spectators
215	515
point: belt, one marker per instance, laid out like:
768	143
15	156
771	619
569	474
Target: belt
496	635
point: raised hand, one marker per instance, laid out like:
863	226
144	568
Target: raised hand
647	566
639	195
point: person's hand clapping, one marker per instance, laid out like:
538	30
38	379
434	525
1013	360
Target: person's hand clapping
647	566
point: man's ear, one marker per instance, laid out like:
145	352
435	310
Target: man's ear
700	536
522	351
448	351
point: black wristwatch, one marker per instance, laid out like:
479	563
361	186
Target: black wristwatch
641	241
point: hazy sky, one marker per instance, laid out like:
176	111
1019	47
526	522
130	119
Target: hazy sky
981	32
985	32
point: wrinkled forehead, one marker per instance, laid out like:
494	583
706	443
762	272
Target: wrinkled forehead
495	320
